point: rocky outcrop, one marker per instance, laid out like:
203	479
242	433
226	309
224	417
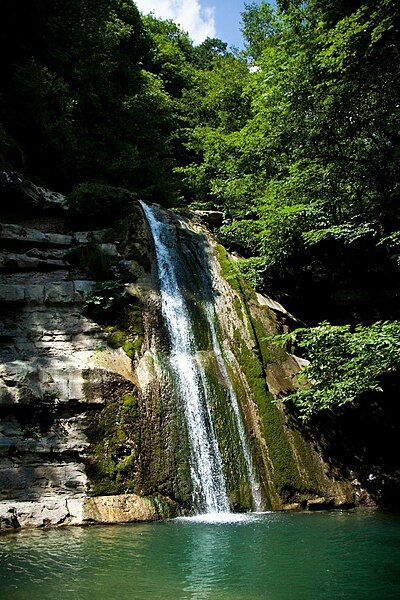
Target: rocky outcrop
57	369
16	190
211	218
59	512
292	470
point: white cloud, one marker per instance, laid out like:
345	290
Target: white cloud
191	15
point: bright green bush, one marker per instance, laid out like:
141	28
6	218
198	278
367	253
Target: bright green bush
344	363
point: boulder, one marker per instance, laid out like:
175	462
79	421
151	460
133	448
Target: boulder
292	506
320	503
21	195
8	519
125	508
212	218
48	511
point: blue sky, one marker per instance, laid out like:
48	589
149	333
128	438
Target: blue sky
227	20
201	18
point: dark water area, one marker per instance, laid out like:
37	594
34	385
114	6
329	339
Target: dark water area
354	555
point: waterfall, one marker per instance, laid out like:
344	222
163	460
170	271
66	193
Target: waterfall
206	467
251	473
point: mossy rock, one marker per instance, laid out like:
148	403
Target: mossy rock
294	473
113	434
128	332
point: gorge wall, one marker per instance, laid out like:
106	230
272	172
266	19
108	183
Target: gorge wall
91	429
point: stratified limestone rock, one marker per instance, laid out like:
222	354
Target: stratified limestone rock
19	234
49	511
99	236
30	477
56	370
55	292
124	508
61	292
64	435
24	262
52	511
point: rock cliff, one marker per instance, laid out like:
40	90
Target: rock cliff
89	428
58	369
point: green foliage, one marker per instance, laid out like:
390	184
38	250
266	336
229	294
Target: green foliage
391	244
104	300
94	204
258	26
347	233
344	363
311	153
90	92
252	270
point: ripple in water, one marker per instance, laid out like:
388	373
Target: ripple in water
277	556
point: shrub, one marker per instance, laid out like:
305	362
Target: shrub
97	204
91	259
344	363
104	300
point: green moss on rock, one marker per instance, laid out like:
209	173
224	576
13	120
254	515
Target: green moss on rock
293	471
127	333
113	435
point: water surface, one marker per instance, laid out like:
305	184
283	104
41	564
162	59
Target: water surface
354	555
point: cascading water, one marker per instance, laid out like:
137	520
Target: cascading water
206	467
254	485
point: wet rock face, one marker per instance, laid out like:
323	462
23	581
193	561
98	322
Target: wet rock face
292	469
87	408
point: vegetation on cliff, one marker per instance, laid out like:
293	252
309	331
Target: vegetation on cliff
344	363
